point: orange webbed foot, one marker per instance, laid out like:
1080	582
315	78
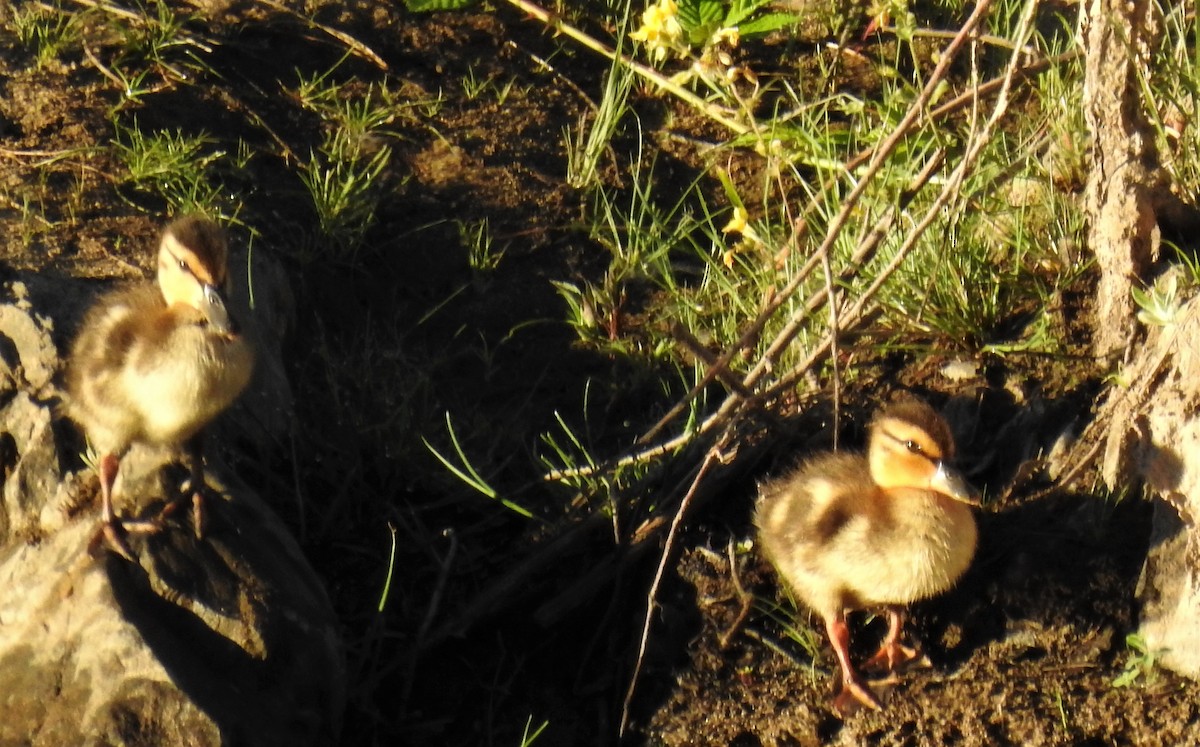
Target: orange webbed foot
113	535
892	657
854	696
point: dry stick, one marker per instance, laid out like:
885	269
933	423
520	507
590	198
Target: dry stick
712	457
707	108
755	329
745	601
729	378
87	52
839	221
862	254
990	39
833	349
949	191
354	45
760	321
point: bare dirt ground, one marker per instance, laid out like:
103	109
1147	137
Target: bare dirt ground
1023	652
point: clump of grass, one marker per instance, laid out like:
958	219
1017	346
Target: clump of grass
46	32
344	176
176	167
1171	95
1141	666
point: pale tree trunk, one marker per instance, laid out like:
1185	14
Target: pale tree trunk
1148	429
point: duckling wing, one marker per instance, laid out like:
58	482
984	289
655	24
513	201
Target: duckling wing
812	524
97	398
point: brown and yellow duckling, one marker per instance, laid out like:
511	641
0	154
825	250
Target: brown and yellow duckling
847	531
156	362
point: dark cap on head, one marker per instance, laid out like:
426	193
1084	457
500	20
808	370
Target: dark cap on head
203	238
921	415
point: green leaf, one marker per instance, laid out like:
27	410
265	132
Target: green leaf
429	6
768	23
700	18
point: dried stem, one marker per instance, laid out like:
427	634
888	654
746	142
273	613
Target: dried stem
712	457
708	109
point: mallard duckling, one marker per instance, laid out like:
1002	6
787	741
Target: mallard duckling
853	532
156	362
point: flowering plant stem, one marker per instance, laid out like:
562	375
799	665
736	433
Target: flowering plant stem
718	114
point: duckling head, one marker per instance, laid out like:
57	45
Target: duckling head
911	446
192	259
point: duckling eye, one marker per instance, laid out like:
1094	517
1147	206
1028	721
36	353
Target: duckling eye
913	446
183	266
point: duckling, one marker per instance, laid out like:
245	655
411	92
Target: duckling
156	362
847	532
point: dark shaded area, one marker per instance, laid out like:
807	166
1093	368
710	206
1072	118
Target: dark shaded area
491	619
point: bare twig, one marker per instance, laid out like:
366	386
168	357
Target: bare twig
357	48
712	457
87	52
745	600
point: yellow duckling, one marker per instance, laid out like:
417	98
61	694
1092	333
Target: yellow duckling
155	363
852	532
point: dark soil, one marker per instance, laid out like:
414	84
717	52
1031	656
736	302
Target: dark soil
494	621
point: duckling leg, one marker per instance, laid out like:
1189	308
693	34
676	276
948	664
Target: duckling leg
892	653
112	530
854	692
194	484
195	449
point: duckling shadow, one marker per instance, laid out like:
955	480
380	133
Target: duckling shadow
210	668
225	615
1067	562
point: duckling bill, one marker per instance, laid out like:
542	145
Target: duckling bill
848	531
156	362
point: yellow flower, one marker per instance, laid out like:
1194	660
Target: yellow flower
728	35
740	225
738	222
660	30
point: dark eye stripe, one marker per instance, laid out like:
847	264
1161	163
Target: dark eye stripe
912	446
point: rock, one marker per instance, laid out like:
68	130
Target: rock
1169	593
1152	432
226	640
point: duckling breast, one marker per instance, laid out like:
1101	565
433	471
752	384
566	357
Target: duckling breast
922	551
187	379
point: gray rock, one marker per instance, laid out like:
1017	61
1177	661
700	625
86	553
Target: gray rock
1153	434
229	640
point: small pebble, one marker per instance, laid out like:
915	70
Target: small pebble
960	370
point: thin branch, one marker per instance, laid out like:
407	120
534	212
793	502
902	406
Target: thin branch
354	45
835	227
712	457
